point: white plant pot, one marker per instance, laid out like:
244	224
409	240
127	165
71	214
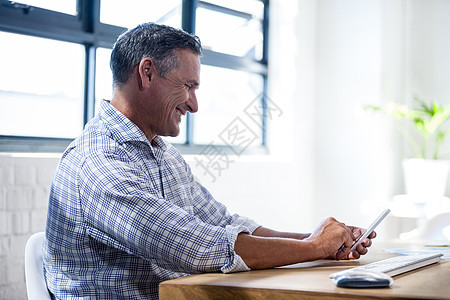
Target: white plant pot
425	178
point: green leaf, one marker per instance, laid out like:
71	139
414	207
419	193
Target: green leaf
428	121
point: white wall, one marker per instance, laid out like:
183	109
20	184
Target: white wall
371	52
328	59
428	49
24	187
353	159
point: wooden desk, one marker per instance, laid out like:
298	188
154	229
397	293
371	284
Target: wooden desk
309	281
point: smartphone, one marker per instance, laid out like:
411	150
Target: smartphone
370	229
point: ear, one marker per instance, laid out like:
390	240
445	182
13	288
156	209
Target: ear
146	71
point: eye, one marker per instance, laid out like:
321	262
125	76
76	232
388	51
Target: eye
188	86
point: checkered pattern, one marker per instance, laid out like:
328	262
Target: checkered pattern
125	215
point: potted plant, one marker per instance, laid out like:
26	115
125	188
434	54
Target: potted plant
425	130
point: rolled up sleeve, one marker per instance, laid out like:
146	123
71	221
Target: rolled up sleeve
236	263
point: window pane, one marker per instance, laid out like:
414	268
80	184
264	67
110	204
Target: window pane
63	6
238	33
103	88
41	91
133	12
223	96
103	77
254	7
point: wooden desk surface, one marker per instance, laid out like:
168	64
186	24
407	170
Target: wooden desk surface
309	281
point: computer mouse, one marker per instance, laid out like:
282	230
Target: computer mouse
363	279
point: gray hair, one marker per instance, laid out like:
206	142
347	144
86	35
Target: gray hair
150	40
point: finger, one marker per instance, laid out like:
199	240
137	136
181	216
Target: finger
354	255
345	250
372	235
345	253
361	249
357	231
351	231
367	243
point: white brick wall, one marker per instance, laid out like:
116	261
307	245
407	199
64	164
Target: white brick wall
24	187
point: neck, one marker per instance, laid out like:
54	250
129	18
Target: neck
128	105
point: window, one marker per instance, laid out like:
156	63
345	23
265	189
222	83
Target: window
64	6
132	12
40	92
224	95
237	31
55	67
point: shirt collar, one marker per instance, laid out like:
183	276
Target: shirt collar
123	130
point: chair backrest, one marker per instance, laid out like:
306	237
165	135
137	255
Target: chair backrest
34	268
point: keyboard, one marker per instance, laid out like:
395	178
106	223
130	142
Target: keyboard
398	264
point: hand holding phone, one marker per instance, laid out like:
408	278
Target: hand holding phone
370	229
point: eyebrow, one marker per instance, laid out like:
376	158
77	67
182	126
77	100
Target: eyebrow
193	82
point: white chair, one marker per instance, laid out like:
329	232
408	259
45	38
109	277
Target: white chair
34	268
435	228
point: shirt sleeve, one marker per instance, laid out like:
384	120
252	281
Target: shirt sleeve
122	209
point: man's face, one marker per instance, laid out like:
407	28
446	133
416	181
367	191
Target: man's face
175	95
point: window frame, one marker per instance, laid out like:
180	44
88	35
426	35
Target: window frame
86	29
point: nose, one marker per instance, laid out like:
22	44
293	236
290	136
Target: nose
192	103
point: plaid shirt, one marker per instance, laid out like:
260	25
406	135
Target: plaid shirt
126	214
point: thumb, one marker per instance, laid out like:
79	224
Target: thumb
345	249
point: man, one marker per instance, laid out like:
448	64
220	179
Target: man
125	212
